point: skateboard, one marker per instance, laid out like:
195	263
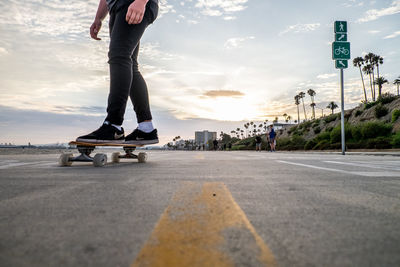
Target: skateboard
100	159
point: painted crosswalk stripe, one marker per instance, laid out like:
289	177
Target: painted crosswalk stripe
204	226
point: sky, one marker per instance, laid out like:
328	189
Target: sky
209	64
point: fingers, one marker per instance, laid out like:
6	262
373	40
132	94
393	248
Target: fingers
134	16
94	30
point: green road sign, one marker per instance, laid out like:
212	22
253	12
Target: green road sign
341	37
340	26
341	64
340	50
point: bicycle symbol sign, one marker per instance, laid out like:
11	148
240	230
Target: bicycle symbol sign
340	50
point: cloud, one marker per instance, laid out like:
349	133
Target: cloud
393	35
223	93
352	3
220	7
326	75
165	8
374	31
374	14
299	28
236	42
3	51
229	18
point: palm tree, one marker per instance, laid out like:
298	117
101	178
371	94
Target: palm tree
302	95
397	82
370	59
332	106
358	62
276	119
312	93
246	125
312	105
297	102
378	60
368	70
380	81
288	118
284	116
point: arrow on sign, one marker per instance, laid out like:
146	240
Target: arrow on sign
341	37
341	63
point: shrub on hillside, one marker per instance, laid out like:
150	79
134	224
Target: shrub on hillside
381	142
321	145
307	124
396	140
329	129
395	115
298	142
317	130
356	132
330	118
358	112
386	98
310	144
283	143
323	136
292	129
370	105
380	111
336	133
375	129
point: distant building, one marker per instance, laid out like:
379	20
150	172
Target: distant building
201	138
278	125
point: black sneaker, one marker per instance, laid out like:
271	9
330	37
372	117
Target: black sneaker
138	137
105	134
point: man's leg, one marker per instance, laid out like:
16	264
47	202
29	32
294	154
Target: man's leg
138	92
124	40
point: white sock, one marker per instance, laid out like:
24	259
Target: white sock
117	126
146	126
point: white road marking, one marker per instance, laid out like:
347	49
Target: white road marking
12	164
369	174
367	165
314	167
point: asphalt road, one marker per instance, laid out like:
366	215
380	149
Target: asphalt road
202	209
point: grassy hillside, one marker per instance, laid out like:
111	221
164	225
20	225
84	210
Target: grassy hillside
375	125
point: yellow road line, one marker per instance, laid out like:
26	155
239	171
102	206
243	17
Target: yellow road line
203	226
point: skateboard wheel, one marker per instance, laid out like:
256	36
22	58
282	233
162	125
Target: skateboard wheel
99	160
115	157
64	159
142	157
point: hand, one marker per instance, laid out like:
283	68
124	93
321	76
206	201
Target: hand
136	12
94	29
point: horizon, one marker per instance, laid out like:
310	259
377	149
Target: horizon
222	65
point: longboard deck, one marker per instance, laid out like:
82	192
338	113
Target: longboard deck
103	144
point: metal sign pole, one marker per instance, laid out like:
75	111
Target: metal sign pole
342	112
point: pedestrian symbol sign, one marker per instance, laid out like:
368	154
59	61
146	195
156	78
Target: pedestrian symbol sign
340	50
340	26
341	64
341	37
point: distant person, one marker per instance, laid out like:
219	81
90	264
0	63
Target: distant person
128	21
268	146
230	146
258	143
215	143
272	136
224	146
